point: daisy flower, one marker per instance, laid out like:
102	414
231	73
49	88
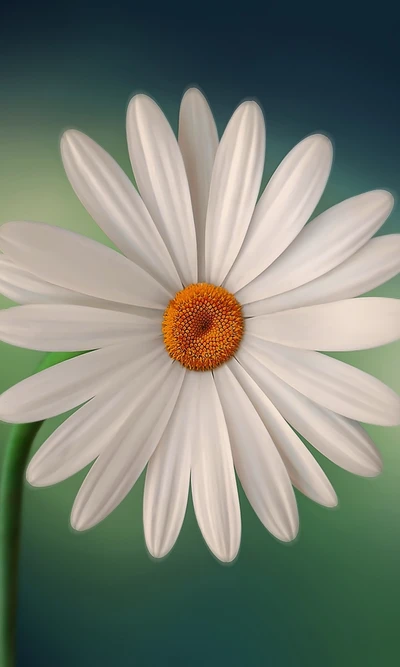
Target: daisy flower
205	334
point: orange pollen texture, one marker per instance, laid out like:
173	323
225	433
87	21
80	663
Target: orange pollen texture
202	326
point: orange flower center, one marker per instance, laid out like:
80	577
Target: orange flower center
202	326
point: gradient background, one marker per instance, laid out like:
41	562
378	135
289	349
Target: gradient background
332	597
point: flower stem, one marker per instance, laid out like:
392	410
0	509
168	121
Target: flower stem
11	489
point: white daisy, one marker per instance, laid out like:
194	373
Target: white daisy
203	331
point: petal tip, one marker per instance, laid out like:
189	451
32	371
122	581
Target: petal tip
78	521
226	553
31	475
393	419
374	466
139	101
8	417
322	142
246	108
69	137
38	478
194	93
331	499
228	556
386	198
254	108
373	471
158	551
288	532
382	199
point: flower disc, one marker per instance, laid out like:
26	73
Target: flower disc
202	326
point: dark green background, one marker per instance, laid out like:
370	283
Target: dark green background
97	598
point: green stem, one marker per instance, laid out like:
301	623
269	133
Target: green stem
11	489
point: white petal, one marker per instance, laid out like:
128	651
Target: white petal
23	287
354	324
81	438
214	490
328	381
79	263
118	467
67	328
168	477
375	263
161	178
68	384
286	204
324	243
259	466
341	440
304	472
198	141
111	199
234	189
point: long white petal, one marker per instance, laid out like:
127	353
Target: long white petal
21	286
304	472
111	199
161	178
81	438
118	467
234	189
354	324
258	464
286	204
67	328
214	489
324	243
68	384
198	141
375	263
73	261
341	440
168	476
329	382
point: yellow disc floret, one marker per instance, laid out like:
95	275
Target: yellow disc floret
202	326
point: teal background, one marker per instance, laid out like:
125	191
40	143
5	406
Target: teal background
97	598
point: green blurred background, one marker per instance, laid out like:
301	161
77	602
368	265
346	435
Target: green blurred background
330	598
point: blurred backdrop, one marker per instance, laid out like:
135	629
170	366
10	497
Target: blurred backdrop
331	598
